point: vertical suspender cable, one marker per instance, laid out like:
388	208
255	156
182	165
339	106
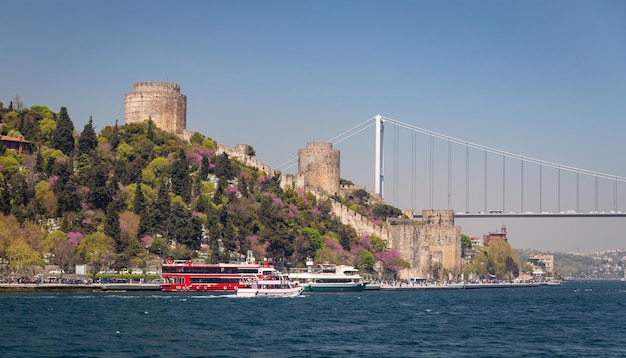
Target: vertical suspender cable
396	146
522	185
413	170
615	195
503	181
559	190
578	191
485	150
596	192
467	166
540	187
449	175
432	169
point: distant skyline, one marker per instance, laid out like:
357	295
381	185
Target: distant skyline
544	79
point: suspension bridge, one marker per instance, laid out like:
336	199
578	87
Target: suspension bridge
440	171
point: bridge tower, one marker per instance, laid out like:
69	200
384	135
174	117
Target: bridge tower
379	166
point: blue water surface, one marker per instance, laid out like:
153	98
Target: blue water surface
576	319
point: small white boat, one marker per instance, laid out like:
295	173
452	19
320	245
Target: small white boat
274	285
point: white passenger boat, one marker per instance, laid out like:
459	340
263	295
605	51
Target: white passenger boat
328	278
273	285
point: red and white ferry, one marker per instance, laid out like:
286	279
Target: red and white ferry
183	275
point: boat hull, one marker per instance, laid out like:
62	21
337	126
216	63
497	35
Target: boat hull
269	292
313	287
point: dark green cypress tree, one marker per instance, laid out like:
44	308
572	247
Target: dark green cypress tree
181	181
112	224
63	135
223	167
160	213
181	226
139	203
97	179
150	131
115	137
204	168
39	162
88	140
67	195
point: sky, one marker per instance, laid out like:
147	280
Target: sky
542	79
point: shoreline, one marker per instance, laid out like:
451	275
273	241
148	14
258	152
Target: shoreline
461	286
138	287
65	287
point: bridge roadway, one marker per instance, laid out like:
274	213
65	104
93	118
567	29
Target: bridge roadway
534	215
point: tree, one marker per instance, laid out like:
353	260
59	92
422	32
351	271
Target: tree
314	237
160	213
150	130
17	103
385	211
366	260
181	181
63	136
97	249
204	168
112	223
115	137
361	195
250	151
101	191
63	249
139	202
182	227
466	243
22	258
88	140
223	167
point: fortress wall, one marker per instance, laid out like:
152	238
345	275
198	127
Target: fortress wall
161	101
347	190
239	152
360	223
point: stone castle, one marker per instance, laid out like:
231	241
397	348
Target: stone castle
435	243
160	101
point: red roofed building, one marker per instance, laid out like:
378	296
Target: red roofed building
19	145
498	235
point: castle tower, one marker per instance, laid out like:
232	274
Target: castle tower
161	101
440	242
318	167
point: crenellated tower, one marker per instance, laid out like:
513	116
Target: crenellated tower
318	168
161	101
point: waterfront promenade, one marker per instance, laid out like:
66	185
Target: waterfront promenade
64	287
396	286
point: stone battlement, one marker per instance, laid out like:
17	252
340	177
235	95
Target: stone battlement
154	85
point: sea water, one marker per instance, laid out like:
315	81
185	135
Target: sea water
576	319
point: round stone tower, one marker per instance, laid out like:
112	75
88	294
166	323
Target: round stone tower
318	164
161	101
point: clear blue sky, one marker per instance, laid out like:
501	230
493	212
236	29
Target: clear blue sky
544	79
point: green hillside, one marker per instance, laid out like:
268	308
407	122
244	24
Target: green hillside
130	194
